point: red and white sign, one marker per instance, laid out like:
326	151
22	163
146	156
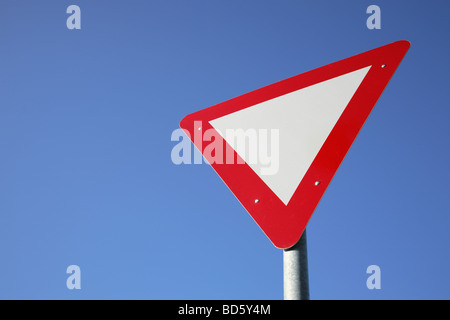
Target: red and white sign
316	117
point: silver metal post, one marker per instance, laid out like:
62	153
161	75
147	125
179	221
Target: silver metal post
295	271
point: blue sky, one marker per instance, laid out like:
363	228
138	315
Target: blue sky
86	176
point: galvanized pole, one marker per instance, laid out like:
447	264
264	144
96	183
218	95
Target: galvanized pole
295	271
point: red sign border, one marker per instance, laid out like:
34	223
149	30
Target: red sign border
284	224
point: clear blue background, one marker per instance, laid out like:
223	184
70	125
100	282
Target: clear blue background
86	176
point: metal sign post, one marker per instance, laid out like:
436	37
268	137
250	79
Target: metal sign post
295	271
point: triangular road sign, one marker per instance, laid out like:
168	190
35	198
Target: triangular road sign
277	148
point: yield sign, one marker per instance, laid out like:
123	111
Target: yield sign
277	148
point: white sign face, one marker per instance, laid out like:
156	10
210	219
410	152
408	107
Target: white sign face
304	119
